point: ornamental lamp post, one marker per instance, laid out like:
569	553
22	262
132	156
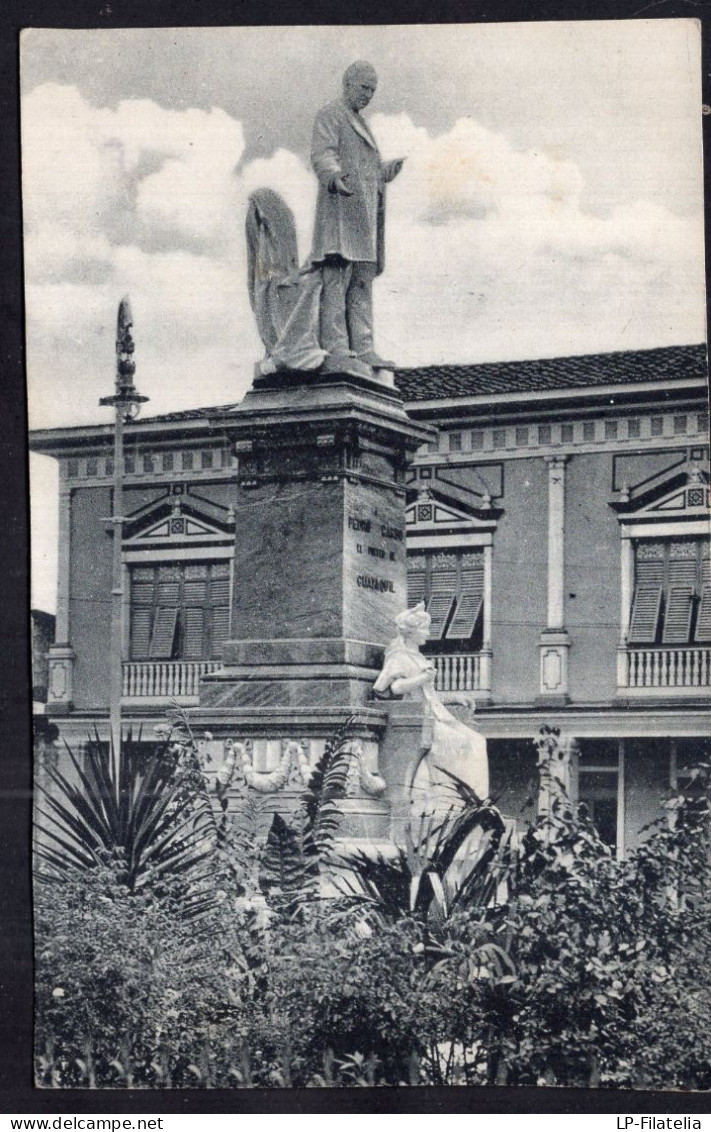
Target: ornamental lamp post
127	402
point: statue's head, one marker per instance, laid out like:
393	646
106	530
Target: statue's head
359	83
414	623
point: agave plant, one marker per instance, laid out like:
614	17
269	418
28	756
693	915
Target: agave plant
134	811
446	863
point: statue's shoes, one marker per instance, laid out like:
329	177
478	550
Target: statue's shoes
349	365
372	359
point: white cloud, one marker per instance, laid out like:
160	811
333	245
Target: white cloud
490	253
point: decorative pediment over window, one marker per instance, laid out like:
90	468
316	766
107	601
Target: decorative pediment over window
682	494
430	512
179	517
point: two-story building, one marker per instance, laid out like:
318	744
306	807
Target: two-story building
558	531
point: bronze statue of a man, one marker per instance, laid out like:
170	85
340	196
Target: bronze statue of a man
349	225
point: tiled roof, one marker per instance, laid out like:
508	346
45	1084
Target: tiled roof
190	414
668	363
426	383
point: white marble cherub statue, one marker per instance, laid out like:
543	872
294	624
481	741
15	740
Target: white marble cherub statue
451	745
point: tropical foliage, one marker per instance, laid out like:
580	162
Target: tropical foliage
472	953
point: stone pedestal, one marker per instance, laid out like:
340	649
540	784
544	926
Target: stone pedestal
554	647
60	690
319	568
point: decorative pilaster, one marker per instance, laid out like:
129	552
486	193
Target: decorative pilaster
60	689
61	631
626	588
555	643
486	654
61	657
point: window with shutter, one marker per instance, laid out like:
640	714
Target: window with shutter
670	577
180	611
452	588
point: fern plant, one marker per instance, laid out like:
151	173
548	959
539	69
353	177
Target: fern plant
295	850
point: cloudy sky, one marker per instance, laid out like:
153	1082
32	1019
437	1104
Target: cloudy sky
551	202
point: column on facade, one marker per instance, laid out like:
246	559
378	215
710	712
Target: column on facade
554	642
486	650
626	589
61	655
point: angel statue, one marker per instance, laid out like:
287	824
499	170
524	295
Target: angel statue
448	744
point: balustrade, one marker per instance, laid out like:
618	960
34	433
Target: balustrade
666	668
165	679
458	672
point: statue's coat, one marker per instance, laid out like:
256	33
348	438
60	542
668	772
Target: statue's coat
350	227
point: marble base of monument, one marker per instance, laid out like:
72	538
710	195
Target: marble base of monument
319	569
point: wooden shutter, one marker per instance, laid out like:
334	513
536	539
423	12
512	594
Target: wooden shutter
680	595
416	582
703	617
142	590
220	591
220	600
677	617
443	592
163	633
645	614
168	593
469	603
193	624
141	632
195	593
220	629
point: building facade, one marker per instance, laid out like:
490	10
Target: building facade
557	530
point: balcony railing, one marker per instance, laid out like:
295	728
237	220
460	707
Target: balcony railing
665	668
169	679
458	672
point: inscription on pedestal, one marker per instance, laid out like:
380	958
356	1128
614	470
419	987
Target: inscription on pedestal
374	548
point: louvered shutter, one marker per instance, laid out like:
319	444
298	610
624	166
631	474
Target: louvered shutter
193	620
195	593
649	587
220	591
168	593
220	600
163	633
703	617
443	591
677	617
680	601
141	593
645	615
142	588
469	603
220	629
416	583
141	632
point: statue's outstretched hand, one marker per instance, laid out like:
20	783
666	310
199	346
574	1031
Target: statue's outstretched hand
392	168
338	185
